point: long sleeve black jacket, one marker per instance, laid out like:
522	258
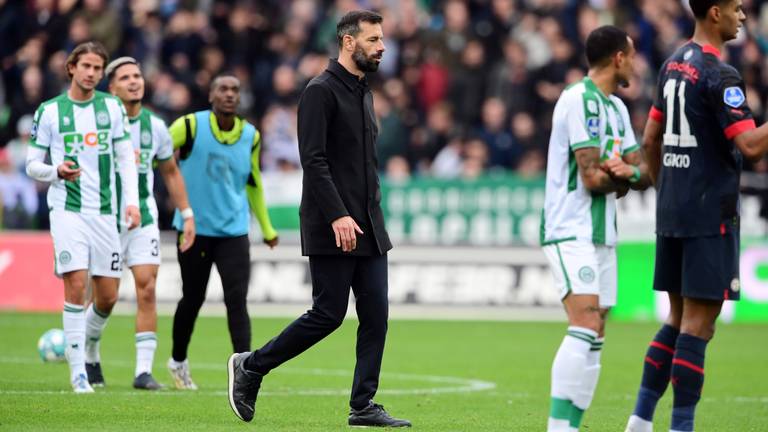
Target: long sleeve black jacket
337	143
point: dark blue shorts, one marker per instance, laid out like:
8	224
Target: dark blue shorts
699	267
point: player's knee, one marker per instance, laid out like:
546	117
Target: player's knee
145	292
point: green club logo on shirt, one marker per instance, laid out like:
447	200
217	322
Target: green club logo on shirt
102	119
65	257
586	274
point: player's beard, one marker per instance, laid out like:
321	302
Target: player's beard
363	62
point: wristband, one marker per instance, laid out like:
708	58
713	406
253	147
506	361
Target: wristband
187	213
635	175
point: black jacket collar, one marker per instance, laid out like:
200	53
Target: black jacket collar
350	80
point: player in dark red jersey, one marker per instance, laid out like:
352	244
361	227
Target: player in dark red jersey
698	130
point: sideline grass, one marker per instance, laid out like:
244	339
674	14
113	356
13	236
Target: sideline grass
310	393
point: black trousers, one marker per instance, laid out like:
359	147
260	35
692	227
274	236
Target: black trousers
332	276
233	261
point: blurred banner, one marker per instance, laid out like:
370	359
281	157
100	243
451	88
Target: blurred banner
457	243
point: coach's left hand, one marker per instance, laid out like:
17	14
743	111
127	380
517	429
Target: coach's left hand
132	216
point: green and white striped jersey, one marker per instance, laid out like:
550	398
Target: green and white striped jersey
85	133
583	117
151	140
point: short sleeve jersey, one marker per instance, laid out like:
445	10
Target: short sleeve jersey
85	133
583	117
151	140
701	103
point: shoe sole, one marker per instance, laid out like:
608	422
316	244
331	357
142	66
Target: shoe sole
231	385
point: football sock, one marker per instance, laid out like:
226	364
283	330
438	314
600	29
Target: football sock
73	319
95	321
586	390
146	344
687	380
656	371
568	371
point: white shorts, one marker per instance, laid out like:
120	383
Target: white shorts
141	246
581	267
85	242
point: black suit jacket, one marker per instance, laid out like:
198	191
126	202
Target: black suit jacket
337	143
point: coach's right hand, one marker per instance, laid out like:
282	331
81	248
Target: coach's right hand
67	172
344	228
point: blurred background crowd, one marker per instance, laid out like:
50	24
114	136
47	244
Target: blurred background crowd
466	87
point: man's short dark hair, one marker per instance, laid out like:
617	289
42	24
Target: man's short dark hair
350	23
226	74
701	7
604	42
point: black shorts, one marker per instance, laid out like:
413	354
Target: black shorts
699	267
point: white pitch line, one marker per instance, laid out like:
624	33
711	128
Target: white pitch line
457	384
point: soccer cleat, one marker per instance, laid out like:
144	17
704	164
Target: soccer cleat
180	374
375	415
80	384
145	381
95	377
243	387
637	424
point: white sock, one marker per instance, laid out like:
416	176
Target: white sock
637	424
568	371
586	390
146	343
73	319
95	321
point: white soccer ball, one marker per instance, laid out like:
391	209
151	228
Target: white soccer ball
51	345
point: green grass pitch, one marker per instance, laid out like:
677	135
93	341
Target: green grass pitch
442	375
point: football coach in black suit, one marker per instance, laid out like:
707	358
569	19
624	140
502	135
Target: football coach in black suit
342	226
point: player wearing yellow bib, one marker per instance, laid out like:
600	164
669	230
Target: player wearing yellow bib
219	159
83	131
141	246
593	159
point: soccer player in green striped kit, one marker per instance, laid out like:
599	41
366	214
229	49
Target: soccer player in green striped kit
141	246
593	159
82	131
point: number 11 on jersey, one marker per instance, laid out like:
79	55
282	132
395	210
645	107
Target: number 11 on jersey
683	138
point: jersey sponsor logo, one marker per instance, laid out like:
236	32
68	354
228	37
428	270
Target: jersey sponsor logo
688	70
75	142
65	257
593	127
673	160
143	160
586	274
734	97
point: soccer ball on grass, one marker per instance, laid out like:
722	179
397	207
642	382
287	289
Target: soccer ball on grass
51	345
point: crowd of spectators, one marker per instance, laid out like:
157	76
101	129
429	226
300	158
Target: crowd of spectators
465	87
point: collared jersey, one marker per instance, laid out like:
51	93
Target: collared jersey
85	133
583	117
702	104
151	141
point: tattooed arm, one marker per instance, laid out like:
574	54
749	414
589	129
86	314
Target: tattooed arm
592	175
